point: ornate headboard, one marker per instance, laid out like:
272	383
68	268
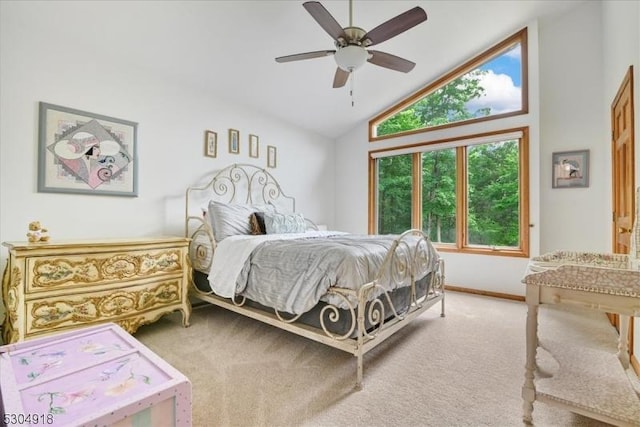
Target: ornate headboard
236	183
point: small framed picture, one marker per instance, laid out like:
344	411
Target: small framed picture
570	169
271	156
253	146
234	141
210	143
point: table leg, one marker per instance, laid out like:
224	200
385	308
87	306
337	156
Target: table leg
528	389
623	348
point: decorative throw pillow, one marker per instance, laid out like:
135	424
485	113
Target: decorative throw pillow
231	219
276	223
256	221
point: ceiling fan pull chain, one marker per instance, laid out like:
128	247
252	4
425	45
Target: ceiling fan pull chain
353	77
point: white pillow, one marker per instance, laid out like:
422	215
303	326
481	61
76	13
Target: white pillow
231	219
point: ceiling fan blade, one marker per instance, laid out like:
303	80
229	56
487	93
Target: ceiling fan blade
324	18
306	55
392	62
341	77
395	26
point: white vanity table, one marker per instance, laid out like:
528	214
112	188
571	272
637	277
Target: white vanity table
605	282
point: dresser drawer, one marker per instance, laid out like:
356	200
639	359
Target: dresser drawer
62	272
48	314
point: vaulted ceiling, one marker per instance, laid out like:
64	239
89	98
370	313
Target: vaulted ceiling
228	48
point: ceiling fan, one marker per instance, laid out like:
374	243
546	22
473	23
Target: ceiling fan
352	43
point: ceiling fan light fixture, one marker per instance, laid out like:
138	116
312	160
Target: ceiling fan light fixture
351	57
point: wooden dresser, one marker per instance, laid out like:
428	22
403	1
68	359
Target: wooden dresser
60	285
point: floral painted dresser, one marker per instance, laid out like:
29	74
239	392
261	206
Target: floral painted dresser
94	376
59	285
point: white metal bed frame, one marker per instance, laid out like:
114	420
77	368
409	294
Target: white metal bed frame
249	184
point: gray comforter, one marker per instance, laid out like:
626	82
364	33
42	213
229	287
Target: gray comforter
293	275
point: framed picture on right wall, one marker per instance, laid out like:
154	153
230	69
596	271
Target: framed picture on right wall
570	169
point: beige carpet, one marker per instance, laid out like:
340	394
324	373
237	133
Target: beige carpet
466	369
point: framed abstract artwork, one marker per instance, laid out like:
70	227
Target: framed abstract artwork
86	153
234	141
570	169
253	146
271	156
210	143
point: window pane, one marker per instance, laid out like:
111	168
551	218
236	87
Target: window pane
493	88
501	81
493	194
394	194
439	195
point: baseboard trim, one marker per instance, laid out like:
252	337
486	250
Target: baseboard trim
484	293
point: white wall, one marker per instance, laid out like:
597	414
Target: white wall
571	93
39	62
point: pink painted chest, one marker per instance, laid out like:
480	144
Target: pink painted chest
96	376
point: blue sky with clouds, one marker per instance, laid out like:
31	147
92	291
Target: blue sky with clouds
508	64
502	83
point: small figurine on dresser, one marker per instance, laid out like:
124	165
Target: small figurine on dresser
37	233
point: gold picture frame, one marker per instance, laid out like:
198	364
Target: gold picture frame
254	148
234	141
210	143
271	156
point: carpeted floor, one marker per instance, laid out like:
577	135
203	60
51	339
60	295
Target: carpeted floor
466	369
